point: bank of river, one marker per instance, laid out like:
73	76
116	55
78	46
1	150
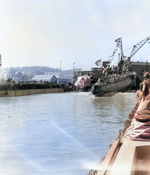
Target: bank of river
59	133
13	93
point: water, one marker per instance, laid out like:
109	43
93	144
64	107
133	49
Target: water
62	133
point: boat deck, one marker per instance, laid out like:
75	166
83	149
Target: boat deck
125	157
133	157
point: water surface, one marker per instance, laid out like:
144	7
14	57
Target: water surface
62	133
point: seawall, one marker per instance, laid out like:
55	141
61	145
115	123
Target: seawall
14	93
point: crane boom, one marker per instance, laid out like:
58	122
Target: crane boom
138	46
119	45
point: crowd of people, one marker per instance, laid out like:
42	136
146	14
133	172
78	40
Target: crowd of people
140	115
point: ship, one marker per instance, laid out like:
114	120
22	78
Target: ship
112	83
121	77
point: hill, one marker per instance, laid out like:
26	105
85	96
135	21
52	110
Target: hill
26	73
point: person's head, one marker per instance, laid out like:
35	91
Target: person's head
146	75
146	87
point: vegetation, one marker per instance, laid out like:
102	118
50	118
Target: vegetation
30	85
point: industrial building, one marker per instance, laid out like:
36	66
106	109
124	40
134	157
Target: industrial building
139	68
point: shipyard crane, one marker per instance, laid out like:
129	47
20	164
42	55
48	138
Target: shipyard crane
137	47
118	45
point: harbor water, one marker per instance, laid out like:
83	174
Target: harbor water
59	134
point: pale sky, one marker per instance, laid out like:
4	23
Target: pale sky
45	32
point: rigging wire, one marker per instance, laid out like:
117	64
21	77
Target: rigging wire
128	49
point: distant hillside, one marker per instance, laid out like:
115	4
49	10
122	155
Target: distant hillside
25	73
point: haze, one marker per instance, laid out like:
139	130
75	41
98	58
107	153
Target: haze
45	32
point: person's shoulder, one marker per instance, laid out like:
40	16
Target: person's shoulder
139	94
147	97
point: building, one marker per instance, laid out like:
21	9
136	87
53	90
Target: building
139	68
39	78
52	78
64	80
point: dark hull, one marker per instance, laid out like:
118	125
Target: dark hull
112	84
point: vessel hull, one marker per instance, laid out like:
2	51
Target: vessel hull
119	84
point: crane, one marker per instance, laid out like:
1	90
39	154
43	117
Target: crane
118	45
138	46
124	58
135	48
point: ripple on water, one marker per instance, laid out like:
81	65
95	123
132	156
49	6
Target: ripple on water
64	133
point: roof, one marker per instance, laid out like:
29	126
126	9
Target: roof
43	77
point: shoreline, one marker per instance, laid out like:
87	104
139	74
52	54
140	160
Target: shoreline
15	93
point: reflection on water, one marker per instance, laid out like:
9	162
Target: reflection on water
65	133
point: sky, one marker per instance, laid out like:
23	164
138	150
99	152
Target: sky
71	33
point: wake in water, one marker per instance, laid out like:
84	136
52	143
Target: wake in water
89	93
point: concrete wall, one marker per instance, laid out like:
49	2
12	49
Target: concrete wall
13	93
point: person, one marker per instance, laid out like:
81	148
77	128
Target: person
146	89
141	119
146	75
145	95
139	95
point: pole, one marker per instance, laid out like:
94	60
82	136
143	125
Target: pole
73	72
60	72
146	65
